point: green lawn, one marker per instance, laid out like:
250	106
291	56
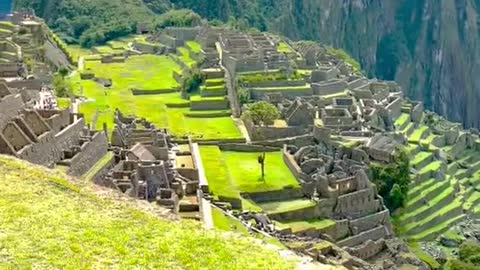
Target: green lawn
185	57
298	226
422	255
230	173
64	103
431	167
286	206
98	166
50	223
147	72
284	48
194	46
226	223
420	157
432	203
418	134
219	181
246	174
402	120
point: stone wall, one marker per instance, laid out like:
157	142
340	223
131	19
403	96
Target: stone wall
90	154
209	104
238	147
276	195
291	164
368	249
324	74
260	93
329	88
370	221
269	133
9	107
99	177
57	120
373	234
395	107
277	83
320	210
70	135
358	203
33	84
356	83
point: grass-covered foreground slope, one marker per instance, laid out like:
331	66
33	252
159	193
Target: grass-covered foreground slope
48	223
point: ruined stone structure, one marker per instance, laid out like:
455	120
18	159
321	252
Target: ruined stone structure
47	137
337	176
151	167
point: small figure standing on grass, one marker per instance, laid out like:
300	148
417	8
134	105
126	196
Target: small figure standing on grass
261	161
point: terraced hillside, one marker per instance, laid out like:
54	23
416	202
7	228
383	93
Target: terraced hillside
445	171
50	222
142	82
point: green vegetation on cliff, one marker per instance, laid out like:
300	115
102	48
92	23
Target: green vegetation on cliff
49	222
392	180
92	22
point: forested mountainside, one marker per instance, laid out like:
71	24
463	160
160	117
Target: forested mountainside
430	47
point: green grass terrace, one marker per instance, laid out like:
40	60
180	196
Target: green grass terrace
161	104
230	174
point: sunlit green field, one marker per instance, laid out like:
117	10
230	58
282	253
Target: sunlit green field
148	73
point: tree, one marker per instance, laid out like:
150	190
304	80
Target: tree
262	113
63	87
392	180
243	95
192	82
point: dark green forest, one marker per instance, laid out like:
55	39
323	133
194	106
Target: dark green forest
89	23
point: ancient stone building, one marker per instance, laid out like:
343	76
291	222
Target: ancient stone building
151	166
337	176
47	137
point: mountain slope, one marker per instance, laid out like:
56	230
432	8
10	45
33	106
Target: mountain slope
49	222
429	46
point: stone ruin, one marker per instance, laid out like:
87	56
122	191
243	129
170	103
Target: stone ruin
250	52
338	178
47	137
150	166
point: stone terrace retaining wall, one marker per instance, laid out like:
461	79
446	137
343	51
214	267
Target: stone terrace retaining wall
238	147
259	93
276	195
269	133
278	83
322	209
291	164
373	234
371	221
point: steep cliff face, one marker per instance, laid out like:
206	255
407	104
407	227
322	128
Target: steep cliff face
431	47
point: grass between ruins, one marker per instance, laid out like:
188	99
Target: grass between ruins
231	173
148	73
48	222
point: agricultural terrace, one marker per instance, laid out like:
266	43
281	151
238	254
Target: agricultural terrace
164	106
